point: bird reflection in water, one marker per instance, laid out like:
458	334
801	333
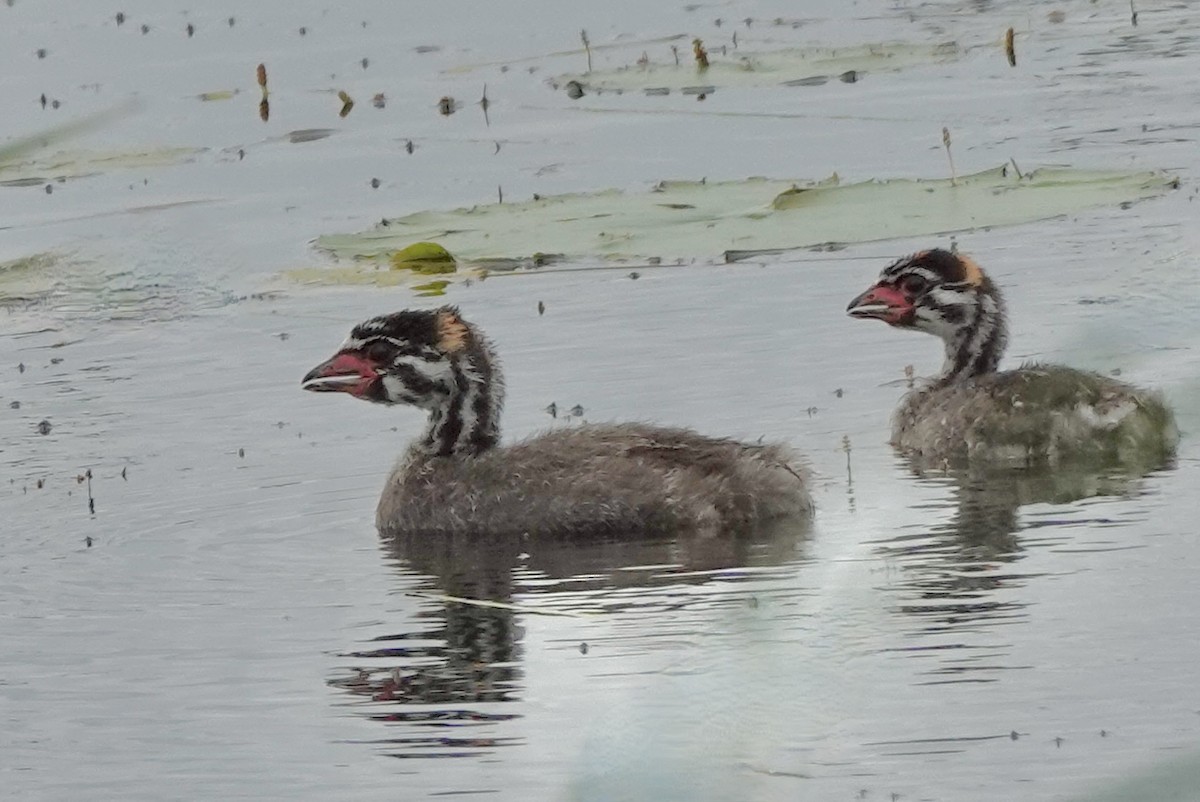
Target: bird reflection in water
450	677
960	578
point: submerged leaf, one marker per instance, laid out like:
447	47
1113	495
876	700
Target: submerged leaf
23	147
27	278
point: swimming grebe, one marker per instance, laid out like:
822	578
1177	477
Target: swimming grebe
628	479
974	413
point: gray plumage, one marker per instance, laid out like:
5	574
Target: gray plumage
621	480
1036	413
973	413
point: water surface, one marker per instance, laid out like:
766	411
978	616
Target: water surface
237	630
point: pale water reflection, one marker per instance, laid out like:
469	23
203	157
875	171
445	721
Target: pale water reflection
963	580
439	684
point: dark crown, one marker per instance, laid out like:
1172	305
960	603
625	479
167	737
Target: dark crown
441	329
939	266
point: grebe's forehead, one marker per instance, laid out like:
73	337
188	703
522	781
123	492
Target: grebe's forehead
937	267
415	327
415	331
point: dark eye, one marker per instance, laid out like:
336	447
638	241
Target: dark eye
379	352
912	284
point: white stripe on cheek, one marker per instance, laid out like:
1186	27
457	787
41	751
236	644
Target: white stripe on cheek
437	372
395	391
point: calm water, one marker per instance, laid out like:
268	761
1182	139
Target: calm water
237	630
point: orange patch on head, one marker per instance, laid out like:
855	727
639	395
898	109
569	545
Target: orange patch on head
972	272
452	333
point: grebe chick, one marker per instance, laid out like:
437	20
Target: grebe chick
972	412
629	480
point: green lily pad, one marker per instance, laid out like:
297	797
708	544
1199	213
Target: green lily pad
800	66
432	289
727	220
424	258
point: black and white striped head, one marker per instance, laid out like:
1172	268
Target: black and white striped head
431	359
934	291
945	294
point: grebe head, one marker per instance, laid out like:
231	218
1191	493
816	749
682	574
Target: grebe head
407	357
945	294
430	359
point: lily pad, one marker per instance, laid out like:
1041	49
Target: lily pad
793	66
577	52
79	163
425	258
726	220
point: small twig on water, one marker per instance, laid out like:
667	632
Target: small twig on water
91	500
847	449
1015	167
1133	13
587	48
1010	48
483	104
950	156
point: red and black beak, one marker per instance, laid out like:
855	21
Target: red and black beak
883	302
346	372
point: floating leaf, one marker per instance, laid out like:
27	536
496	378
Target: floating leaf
75	164
624	43
433	288
425	258
793	66
727	220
